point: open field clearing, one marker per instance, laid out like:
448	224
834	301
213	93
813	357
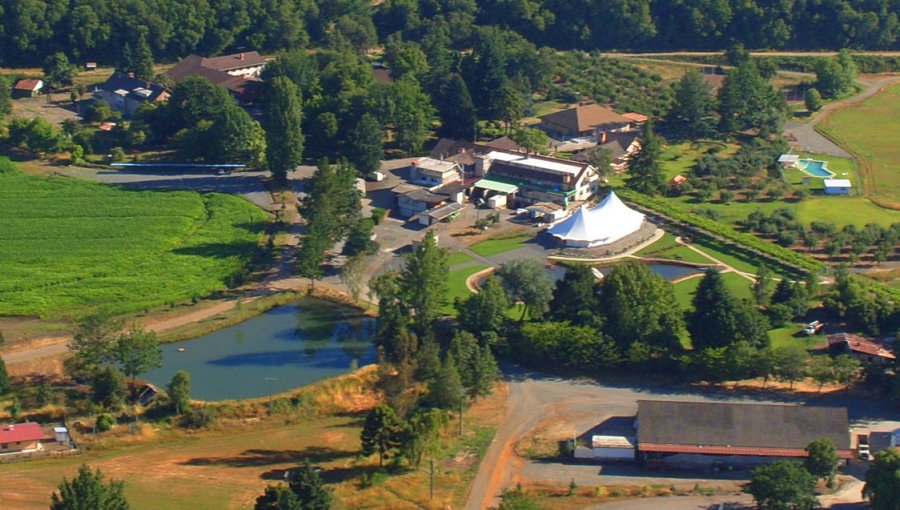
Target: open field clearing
228	466
69	247
870	129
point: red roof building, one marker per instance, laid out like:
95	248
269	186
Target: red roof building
863	349
21	437
27	87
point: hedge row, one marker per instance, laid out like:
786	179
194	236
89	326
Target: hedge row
726	233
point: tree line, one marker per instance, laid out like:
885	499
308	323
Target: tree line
35	29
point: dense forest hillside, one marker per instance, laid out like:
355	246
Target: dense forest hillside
99	29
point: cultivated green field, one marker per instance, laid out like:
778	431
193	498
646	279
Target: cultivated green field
69	247
871	129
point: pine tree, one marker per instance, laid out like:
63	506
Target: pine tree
762	285
484	312
484	373
693	106
423	283
456	109
278	497
446	391
712	322
284	138
381	432
364	144
88	492
5	383
645	174
142	59
310	490
575	297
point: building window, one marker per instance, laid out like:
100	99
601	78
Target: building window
4	446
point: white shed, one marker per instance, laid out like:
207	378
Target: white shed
613	447
837	186
788	160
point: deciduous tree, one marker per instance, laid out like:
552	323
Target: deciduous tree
277	497
822	460
645	173
883	480
364	144
783	485
423	283
58	72
179	391
693	106
485	311
525	280
137	352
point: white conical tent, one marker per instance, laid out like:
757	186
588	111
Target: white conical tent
608	222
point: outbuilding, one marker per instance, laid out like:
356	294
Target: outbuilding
837	186
27	88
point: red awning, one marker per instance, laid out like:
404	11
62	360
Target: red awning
731	450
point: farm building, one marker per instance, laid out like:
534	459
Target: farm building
27	88
705	433
837	186
862	349
789	161
239	72
21	437
606	223
434	172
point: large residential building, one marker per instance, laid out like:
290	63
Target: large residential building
585	121
239	72
126	93
528	179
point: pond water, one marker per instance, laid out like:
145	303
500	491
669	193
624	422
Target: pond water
667	271
286	347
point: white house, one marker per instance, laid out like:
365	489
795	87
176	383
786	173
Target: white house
837	186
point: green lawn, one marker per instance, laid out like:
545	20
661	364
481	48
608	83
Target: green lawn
71	247
738	285
680	158
456	286
738	259
457	258
871	129
684	292
666	248
490	247
784	337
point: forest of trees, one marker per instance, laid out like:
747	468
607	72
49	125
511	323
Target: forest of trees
99	29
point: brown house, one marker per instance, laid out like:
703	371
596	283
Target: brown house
239	73
583	121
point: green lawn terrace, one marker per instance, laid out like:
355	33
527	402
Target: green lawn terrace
72	248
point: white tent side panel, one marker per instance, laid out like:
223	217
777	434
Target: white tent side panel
608	222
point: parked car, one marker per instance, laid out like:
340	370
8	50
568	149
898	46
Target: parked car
862	447
813	328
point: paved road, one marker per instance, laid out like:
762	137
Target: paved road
804	137
584	404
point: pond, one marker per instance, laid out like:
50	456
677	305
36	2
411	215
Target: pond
286	347
667	271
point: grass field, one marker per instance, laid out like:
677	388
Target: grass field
228	466
457	258
490	247
456	286
871	129
666	248
70	247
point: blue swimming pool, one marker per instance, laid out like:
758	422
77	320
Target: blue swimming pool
815	168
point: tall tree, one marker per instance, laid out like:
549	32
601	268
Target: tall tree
5	383
179	391
883	480
310	489
284	138
456	110
5	98
137	352
525	280
476	365
92	345
485	311
88	492
137	58
381	432
693	106
719	319
639	306
412	114
108	388
575	297
747	101
822	460
277	497
762	285
423	283
364	144
645	174
783	485
58	72
445	390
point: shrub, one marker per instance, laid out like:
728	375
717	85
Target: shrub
198	418
378	215
105	422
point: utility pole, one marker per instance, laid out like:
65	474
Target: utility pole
431	490
460	416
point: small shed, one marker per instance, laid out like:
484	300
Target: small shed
613	447
27	88
837	186
789	160
61	434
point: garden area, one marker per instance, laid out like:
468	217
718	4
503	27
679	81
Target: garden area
73	248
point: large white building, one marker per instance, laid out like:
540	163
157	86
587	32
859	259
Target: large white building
606	223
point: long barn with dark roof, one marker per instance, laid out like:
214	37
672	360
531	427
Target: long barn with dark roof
717	430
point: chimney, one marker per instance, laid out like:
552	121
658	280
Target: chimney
131	75
242	55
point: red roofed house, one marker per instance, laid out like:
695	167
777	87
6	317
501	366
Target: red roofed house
863	349
27	88
21	437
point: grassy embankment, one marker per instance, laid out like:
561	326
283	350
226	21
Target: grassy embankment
228	465
72	247
870	130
